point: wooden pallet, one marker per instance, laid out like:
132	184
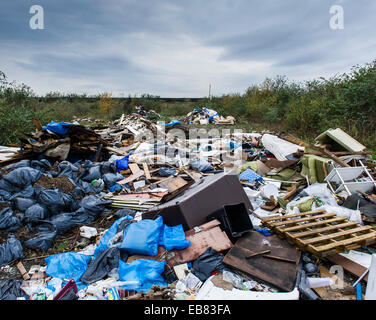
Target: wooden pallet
321	233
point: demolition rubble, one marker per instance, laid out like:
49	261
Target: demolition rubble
143	210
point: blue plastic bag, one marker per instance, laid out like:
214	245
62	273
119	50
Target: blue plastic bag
68	265
122	164
115	188
57	127
143	237
110	233
145	272
174	238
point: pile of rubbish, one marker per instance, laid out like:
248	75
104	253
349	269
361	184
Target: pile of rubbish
134	210
206	116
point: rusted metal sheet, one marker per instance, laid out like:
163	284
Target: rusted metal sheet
279	273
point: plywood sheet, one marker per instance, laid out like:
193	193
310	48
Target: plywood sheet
280	274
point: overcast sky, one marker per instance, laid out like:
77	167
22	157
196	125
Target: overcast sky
176	48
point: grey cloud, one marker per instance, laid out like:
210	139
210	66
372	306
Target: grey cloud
292	36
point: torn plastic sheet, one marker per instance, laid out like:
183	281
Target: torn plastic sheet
166	172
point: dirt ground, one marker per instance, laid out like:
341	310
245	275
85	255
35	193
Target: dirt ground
62	183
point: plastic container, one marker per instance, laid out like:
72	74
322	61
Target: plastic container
319	282
234	219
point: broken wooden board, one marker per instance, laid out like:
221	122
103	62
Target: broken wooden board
115	150
134	168
350	266
146	170
131	178
176	186
172	183
321	233
208	235
280	274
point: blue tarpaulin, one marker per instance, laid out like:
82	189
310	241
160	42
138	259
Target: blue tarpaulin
171	123
58	127
250	175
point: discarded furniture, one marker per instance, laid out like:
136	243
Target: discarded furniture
321	233
340	179
194	205
340	141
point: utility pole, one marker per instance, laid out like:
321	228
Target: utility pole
210	92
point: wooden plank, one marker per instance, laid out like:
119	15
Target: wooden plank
292	215
131	178
351	266
134	168
325	229
146	170
173	183
333	157
279	258
369	236
335	235
23	271
294	221
257	254
312	224
115	150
